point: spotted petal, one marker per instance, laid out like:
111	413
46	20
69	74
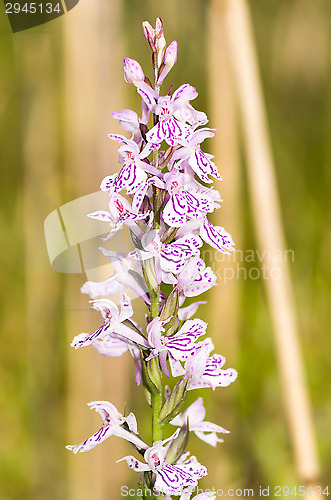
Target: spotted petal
197	204
217	237
174	255
91	442
107	182
172	479
101	215
175	211
169	130
203	166
215	376
205	371
86	339
148	96
182	344
130	178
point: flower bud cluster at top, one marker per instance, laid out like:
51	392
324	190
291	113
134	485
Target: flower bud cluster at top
163	194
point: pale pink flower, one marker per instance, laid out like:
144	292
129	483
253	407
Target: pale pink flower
170	478
179	346
194	417
204	370
113	324
112	426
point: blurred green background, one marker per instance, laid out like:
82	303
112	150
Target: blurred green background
57	85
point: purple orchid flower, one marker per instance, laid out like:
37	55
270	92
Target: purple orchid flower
169	257
216	236
204	371
185	111
179	346
112	426
194	416
168	128
185	203
113	324
170	478
120	212
172	114
199	161
133	172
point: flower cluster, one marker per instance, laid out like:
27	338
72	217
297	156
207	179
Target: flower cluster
163	194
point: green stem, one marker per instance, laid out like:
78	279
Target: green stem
156	397
157	428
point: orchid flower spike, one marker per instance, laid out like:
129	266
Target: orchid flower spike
163	196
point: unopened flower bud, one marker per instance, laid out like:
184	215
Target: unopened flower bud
149	34
133	72
170	59
170	55
160	41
